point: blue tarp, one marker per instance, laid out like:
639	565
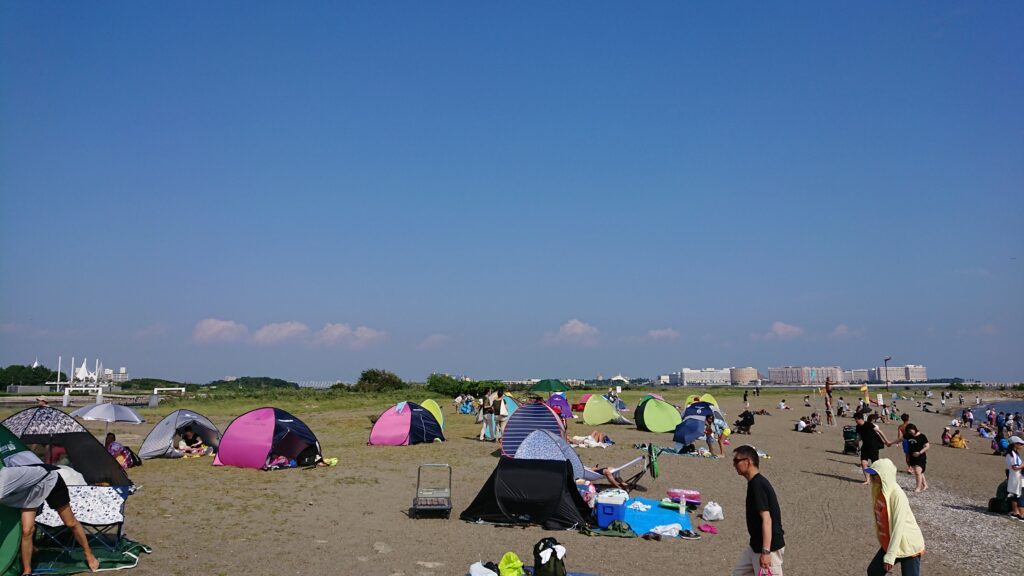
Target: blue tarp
642	522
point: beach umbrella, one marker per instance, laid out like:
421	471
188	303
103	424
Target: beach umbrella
549	385
108	413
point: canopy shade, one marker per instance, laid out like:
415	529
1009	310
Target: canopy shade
108	413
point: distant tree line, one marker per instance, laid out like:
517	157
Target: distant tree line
448	386
28	376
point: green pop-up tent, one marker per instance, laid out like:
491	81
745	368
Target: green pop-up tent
655	415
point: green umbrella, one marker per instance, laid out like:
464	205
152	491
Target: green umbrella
549	386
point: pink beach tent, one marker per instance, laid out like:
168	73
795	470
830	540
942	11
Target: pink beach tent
403	424
251	437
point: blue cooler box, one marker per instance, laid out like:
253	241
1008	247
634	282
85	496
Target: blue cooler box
608	513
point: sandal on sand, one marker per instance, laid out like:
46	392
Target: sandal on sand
707	528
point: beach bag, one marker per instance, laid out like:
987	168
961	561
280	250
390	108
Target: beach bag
547	558
713	511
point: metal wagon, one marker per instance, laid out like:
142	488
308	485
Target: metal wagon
433	496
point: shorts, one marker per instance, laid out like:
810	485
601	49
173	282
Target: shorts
869	455
59	497
922	462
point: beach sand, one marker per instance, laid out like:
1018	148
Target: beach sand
352	519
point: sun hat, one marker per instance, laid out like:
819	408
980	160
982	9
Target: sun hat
1016	440
41	399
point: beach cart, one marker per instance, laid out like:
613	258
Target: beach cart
433	491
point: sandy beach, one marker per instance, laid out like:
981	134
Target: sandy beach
352	519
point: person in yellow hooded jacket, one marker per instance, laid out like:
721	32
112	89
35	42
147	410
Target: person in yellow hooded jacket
898	534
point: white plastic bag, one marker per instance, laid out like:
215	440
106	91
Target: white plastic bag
477	569
712	511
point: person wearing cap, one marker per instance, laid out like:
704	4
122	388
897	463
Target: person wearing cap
899	536
1014	480
41	401
946	436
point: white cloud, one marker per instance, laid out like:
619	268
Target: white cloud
433	341
572	333
662	334
343	335
210	330
151	331
844	332
781	331
23	330
279	332
989	329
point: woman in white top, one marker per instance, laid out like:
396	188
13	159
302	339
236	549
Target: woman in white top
1013	479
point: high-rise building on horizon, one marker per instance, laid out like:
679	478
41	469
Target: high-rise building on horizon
805	374
908	373
742	375
702	377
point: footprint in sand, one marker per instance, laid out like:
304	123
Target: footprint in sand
382	548
430	565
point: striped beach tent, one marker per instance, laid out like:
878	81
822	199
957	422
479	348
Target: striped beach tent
529	417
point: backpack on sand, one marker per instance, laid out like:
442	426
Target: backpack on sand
552	551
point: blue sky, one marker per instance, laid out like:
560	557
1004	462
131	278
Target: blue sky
512	190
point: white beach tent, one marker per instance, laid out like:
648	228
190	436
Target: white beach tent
160	442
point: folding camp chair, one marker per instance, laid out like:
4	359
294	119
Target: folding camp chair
630	483
100	511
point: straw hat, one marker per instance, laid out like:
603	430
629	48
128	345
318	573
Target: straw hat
42	399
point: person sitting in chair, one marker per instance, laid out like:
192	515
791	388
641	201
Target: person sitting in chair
26	487
609	475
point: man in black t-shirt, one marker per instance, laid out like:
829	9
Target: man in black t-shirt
764	519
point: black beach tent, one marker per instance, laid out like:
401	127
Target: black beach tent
51	430
530	492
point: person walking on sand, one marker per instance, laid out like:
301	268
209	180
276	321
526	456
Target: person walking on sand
872	439
26	487
898	534
917	445
901	438
764	519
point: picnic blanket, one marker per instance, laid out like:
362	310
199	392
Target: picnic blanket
642	521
